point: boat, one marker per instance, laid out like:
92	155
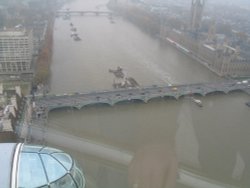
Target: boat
197	101
248	104
73	29
66	17
77	38
74	34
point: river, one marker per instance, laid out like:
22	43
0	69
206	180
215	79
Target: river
214	137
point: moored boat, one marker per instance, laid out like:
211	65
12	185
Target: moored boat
77	38
197	101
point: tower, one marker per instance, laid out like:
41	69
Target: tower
196	14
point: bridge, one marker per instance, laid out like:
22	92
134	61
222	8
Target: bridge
37	107
112	97
82	13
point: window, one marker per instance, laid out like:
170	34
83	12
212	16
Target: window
124	85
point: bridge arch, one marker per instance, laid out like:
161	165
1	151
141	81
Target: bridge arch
214	92
156	98
125	101
78	106
169	97
173	95
107	104
235	90
63	107
195	94
200	94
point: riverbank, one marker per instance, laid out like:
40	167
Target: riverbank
44	60
151	24
42	72
188	52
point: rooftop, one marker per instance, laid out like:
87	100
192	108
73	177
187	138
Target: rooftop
12	32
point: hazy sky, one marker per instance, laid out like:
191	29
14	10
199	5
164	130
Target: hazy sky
231	1
234	2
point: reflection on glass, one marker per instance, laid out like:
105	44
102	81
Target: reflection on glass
53	168
30	165
64	159
65	182
31	148
49	150
153	166
77	175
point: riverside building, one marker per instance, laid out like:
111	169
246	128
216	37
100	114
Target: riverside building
222	59
16	50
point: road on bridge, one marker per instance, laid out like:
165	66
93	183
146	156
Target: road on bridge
79	100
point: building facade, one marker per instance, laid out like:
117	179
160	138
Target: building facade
224	60
16	50
229	62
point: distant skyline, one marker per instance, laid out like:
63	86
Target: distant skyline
239	2
226	2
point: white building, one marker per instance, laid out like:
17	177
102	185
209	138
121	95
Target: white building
16	49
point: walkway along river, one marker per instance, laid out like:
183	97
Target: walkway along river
83	66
